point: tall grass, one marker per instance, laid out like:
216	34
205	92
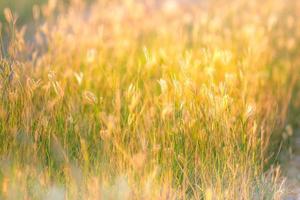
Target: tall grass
148	100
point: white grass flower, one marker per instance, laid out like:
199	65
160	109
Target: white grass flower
79	77
91	55
8	15
250	110
163	85
58	89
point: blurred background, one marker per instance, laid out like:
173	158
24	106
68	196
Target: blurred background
23	8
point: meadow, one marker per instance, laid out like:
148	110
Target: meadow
127	99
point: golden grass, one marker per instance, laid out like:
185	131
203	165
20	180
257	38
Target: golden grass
148	100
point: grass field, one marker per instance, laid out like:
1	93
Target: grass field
149	99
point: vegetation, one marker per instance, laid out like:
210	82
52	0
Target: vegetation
22	8
148	100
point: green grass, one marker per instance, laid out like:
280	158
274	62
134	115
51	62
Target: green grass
131	101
